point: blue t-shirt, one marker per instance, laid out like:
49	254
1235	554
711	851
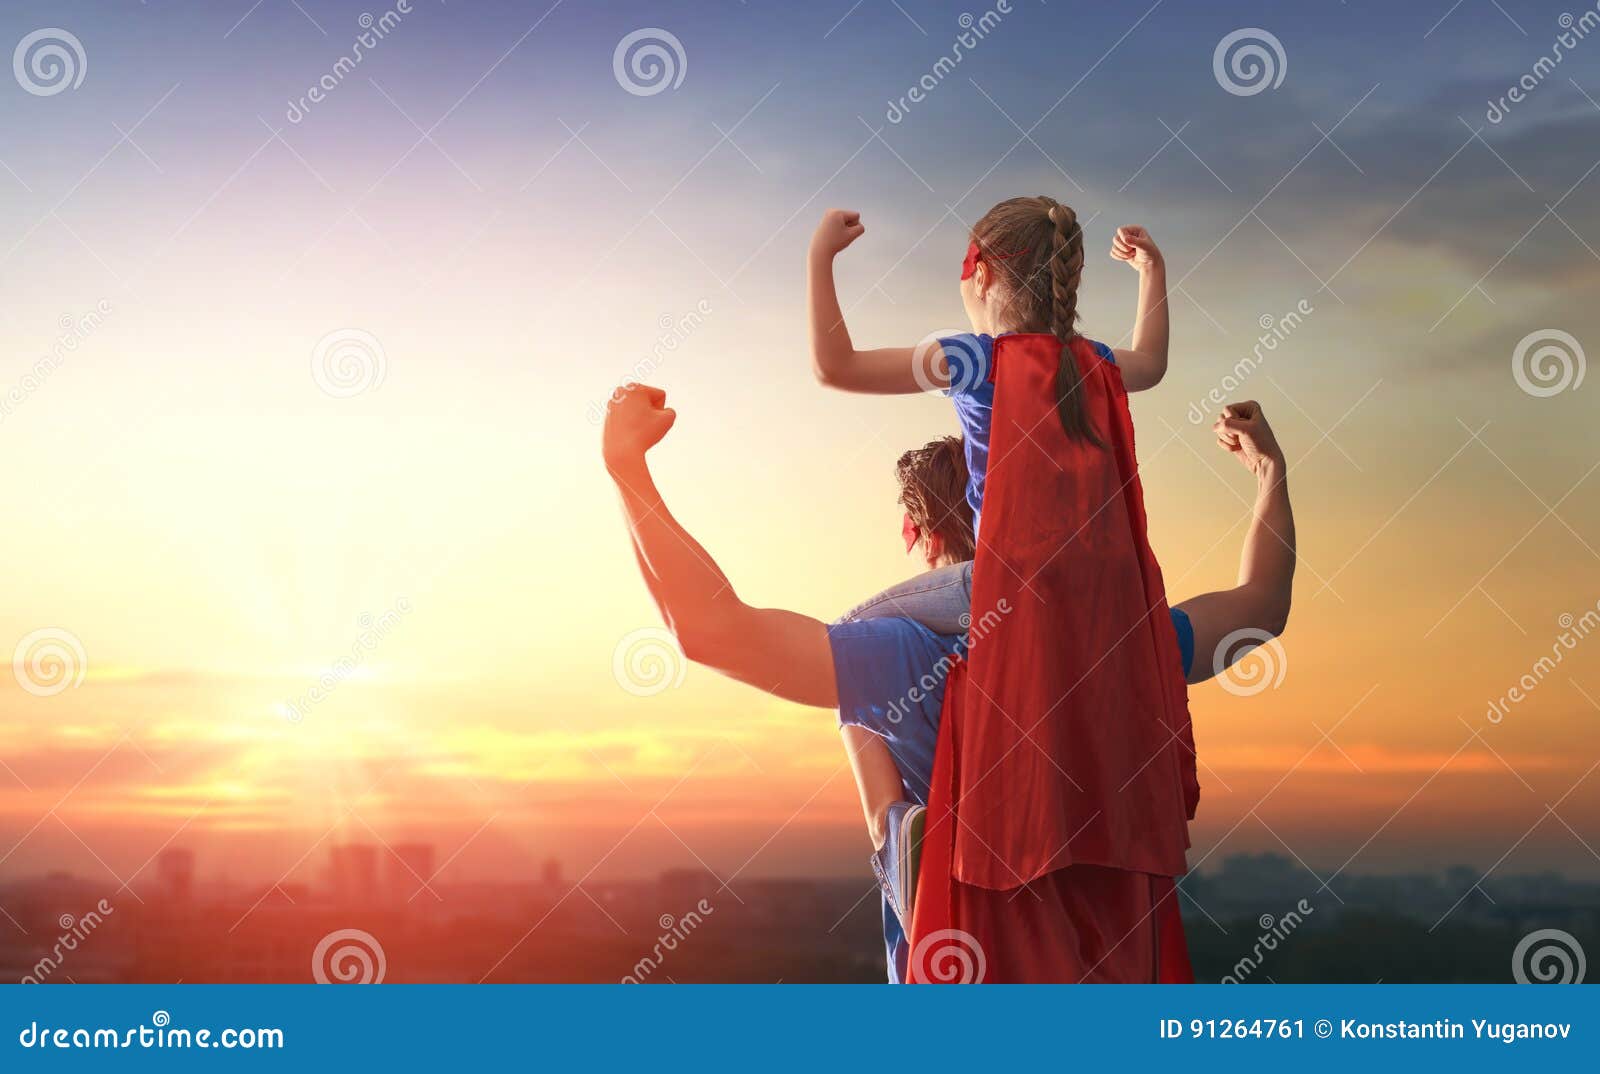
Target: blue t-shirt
891	675
970	359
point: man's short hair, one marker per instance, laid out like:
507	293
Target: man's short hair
933	490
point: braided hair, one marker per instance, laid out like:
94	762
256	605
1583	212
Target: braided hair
1036	245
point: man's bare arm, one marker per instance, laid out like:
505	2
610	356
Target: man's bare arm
781	652
1260	601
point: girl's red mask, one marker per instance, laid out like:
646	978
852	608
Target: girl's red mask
974	255
970	265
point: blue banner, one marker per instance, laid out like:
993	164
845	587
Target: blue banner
811	1028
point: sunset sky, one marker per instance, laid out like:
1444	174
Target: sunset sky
484	198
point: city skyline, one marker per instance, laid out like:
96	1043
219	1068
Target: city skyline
1256	917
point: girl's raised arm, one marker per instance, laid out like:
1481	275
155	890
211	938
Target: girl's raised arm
834	358
1146	363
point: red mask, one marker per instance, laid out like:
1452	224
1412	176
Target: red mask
970	265
910	531
974	255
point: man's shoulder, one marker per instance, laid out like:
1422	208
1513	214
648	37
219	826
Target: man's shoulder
883	653
892	631
891	674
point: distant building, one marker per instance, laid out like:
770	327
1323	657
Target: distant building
175	873
685	887
408	867
1270	877
353	870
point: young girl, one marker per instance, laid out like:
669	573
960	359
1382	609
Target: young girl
1021	274
1019	281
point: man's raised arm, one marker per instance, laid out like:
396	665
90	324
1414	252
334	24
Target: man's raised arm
1260	602
781	652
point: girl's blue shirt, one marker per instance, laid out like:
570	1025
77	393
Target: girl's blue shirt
970	358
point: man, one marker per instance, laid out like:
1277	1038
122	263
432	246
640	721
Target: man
886	675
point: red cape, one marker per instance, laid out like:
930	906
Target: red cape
1065	773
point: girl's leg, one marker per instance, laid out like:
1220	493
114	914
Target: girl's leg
940	600
877	779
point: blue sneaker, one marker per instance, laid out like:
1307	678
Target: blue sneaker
896	862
